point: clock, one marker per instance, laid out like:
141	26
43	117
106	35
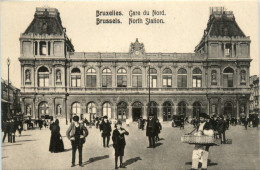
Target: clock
137	52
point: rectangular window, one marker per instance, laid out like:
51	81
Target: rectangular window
75	80
182	81
106	81
121	81
196	81
167	81
91	81
153	81
43	80
137	81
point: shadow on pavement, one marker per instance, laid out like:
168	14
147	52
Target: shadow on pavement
162	139
67	150
209	163
94	159
4	157
131	161
158	144
11	145
25	140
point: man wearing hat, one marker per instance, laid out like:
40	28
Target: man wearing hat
105	127
150	130
201	152
76	134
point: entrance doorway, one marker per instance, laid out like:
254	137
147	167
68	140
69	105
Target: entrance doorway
228	109
137	111
122	111
196	109
43	109
167	111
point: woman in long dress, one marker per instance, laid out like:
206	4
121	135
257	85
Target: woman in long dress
56	143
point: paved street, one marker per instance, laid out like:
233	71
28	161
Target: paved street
31	151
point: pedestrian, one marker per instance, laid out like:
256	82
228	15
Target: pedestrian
150	131
40	123
158	128
119	143
56	142
76	133
12	130
6	130
245	123
105	128
201	151
221	127
20	127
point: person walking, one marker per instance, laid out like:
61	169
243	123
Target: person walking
245	123
12	130
105	128
150	131
20	127
221	127
40	123
76	133
158	128
119	143
56	143
6	130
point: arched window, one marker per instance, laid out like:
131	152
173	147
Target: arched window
58	77
121	78
106	78
152	78
43	77
58	110
28	75
137	77
182	108
167	77
107	110
228	77
76	108
196	77
122	110
75	77
243	77
214	77
91	108
91	78
28	109
182	78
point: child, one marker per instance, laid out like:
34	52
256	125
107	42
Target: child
119	143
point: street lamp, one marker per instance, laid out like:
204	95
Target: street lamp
149	89
8	64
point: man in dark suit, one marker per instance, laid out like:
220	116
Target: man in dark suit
105	127
150	130
6	130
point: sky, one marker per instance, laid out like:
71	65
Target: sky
181	32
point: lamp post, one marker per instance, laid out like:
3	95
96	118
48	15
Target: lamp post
149	90
8	64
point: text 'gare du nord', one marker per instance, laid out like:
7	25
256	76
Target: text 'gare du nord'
60	82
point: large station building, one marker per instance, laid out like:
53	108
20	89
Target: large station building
58	81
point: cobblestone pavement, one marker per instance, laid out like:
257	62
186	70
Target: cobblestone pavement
31	151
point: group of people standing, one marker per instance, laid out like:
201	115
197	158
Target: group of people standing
9	128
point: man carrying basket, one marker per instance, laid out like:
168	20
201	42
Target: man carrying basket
201	150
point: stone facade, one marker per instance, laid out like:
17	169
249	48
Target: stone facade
60	82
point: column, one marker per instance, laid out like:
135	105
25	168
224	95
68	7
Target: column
145	111
189	77
22	73
47	48
99	78
219	49
175	109
129	77
247	108
219	106
33	109
159	77
237	103
233	50
160	115
238	49
54	108
145	71
84	77
114	111
23	106
209	107
224	49
38	47
21	48
130	112
52	48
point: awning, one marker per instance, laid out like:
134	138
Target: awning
5	101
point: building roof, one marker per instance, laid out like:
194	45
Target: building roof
46	21
221	23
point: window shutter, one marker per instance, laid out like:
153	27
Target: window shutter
104	81
88	79
124	81
179	81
